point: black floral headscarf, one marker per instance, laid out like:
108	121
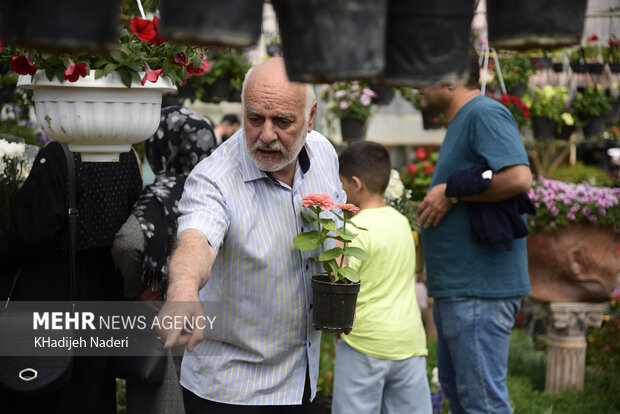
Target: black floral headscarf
183	139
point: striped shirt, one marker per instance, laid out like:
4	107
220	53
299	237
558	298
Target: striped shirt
265	340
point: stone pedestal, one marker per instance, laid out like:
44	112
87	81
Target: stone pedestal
566	343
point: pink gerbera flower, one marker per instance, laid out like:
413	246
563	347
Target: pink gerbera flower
323	201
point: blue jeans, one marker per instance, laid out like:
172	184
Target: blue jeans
367	385
473	336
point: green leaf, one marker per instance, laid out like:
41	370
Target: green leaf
135	66
60	74
357	227
117	56
328	224
49	74
350	274
125	77
99	73
345	237
331	267
356	252
196	61
308	218
330	254
308	241
109	68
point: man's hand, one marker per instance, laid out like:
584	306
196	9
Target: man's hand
434	206
190	268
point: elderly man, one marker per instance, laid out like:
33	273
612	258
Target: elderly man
240	210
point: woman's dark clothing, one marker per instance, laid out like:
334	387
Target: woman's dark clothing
37	238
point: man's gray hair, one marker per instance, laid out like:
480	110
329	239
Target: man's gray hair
310	95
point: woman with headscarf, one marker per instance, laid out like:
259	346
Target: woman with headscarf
37	239
145	241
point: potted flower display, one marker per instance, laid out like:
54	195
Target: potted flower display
516	71
125	86
334	291
611	54
550	112
351	102
223	81
591	105
417	175
517	108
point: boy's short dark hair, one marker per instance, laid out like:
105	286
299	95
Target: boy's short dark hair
369	161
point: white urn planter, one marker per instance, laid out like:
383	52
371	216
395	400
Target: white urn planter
99	118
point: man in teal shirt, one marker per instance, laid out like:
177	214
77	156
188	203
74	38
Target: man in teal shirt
477	289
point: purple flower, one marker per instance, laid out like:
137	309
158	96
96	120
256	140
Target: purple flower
570	216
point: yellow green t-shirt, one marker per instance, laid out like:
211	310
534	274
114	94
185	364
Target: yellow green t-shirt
388	324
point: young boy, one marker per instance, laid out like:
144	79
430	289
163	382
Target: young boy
381	364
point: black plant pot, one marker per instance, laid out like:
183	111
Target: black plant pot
327	41
543	62
235	23
565	132
614	67
385	93
352	129
596	68
611	118
578	67
218	91
543	128
61	26
533	24
415	54
430	120
518	90
558	67
594	126
333	305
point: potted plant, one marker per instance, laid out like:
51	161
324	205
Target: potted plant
611	54
516	71
591	105
550	111
592	53
517	108
124	85
417	175
227	68
334	291
351	103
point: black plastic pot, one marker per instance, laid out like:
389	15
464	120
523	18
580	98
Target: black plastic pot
558	67
533	24
594	126
543	128
327	41
352	129
543	62
235	23
385	93
518	90
61	26
565	132
595	68
614	67
218	91
427	42
578	67
333	305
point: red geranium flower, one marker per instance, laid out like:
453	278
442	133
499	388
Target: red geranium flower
412	168
151	75
323	201
75	71
429	169
420	153
348	207
593	37
23	65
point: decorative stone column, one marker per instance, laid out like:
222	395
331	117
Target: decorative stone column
566	342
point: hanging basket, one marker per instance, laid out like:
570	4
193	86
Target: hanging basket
218	91
352	129
385	94
99	118
333	305
594	126
427	42
61	26
332	40
534	24
565	132
234	23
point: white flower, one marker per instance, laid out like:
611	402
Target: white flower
395	187
365	100
435	377
10	150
